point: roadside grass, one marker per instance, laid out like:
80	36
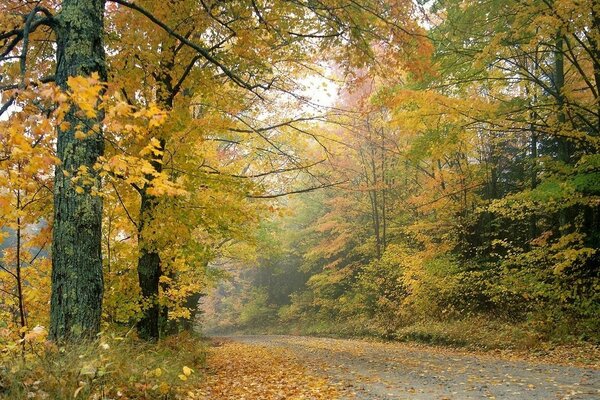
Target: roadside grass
111	367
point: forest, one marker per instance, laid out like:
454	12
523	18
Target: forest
199	199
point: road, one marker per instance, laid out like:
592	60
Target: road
371	370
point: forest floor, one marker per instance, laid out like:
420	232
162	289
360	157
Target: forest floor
295	367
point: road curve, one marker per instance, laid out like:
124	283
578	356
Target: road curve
373	371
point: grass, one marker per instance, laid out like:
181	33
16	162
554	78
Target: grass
111	367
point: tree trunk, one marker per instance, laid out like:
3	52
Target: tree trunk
19	278
383	193
149	263
533	219
77	282
375	199
564	153
566	214
149	271
533	230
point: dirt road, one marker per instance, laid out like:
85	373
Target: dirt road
367	370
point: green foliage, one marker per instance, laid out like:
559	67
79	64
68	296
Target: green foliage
257	310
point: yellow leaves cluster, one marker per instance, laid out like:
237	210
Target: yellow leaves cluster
85	93
569	250
153	147
140	171
187	371
123	122
156	117
241	371
9	21
415	111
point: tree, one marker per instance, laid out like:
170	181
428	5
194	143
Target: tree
26	151
77	285
77	265
253	47
241	36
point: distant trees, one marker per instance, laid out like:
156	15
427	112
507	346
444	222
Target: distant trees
473	187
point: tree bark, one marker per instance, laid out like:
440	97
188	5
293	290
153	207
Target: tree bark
383	193
566	214
150	268
19	278
564	153
149	271
149	262
77	282
533	230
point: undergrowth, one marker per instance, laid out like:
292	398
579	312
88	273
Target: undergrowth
473	334
110	367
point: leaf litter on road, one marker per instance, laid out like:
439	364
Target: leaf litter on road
245	372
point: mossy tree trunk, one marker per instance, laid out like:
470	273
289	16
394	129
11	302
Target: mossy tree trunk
77	283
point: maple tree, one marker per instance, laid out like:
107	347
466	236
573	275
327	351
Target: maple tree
27	155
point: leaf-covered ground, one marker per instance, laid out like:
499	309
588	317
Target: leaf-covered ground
289	367
247	371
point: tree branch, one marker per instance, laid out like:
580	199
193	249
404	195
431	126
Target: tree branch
305	190
205	53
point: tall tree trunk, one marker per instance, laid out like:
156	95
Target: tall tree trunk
565	219
77	282
559	83
149	262
383	193
18	277
533	219
375	203
533	230
149	271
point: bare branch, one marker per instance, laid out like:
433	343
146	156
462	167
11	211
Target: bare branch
305	190
123	205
